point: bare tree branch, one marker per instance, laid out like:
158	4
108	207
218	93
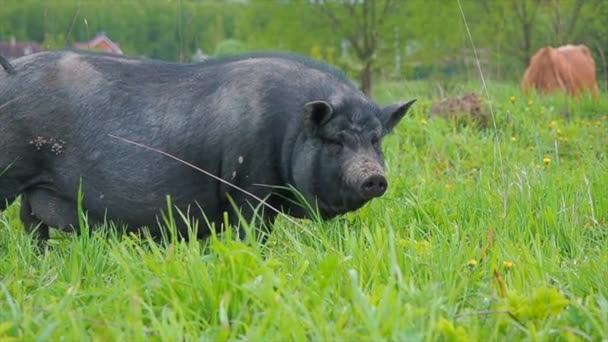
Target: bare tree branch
365	26
329	13
574	18
373	31
359	22
388	5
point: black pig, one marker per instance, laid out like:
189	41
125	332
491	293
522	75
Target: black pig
257	121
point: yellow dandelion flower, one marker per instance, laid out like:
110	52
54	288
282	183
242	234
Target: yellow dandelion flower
553	123
513	139
512	98
507	264
546	160
472	263
559	131
423	121
598	123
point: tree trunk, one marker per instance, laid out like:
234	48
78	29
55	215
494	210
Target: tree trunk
527	48
526	17
366	78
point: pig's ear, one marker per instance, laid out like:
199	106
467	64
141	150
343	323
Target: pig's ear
392	114
316	114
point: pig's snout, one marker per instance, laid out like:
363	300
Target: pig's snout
373	186
365	177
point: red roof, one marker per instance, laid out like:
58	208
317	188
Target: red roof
100	41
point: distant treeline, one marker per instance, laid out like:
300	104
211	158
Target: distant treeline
418	39
152	28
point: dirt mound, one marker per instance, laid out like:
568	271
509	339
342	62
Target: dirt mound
469	105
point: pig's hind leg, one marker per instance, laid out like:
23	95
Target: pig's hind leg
32	224
10	188
42	207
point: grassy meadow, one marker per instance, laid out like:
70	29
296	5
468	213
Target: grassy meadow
484	234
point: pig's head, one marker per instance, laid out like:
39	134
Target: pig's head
340	165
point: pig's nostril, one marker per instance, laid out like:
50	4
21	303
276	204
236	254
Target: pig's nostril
382	185
373	186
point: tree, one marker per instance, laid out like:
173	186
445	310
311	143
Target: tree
593	30
515	29
360	22
564	19
525	12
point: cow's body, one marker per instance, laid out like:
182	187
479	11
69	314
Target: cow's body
238	118
570	68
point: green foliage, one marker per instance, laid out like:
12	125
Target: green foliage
160	29
52	41
544	303
229	47
449	332
431	38
407	266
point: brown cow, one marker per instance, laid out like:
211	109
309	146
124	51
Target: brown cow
569	67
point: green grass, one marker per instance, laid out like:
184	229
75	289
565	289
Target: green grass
496	234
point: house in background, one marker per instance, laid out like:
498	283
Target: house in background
100	42
13	49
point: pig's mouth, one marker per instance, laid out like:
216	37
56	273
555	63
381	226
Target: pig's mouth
362	179
328	210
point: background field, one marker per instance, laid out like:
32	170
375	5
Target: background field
483	234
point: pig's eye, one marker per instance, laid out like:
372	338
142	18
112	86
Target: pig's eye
375	142
333	146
